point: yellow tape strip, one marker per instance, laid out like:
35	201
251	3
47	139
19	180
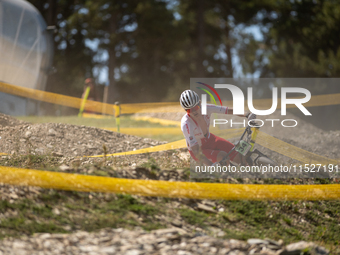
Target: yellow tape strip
75	102
54	98
164	147
76	182
227	134
316	100
322	100
150	107
264	140
147	131
169	146
292	151
96	116
169	108
159	121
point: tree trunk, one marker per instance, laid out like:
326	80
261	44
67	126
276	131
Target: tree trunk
200	38
51	13
228	51
112	90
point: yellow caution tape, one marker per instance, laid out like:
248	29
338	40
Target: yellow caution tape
321	100
54	98
159	121
151	107
76	182
147	131
267	141
96	116
172	107
1	153
75	102
292	151
264	140
164	147
316	100
227	134
168	146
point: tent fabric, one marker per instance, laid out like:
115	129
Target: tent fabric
24	45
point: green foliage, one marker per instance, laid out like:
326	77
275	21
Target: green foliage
287	220
303	39
151	164
154	47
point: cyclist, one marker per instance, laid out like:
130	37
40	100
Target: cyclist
204	146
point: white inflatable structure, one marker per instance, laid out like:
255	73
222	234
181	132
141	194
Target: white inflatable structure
26	50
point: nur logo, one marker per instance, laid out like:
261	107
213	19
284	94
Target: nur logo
204	97
238	99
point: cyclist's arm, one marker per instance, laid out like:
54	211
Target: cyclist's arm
231	111
200	156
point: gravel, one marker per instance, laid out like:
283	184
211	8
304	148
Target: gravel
64	139
138	242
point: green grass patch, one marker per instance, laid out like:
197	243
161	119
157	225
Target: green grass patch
151	164
125	203
241	220
251	212
194	217
287	220
45	162
20	225
77	211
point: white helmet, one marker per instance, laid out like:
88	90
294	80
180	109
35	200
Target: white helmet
189	99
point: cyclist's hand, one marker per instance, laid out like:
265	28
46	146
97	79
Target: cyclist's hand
251	116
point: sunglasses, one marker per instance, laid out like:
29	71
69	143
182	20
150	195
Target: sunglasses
194	109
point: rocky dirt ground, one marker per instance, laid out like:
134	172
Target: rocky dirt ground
63	139
139	242
56	147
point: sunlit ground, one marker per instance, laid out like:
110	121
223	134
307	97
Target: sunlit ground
125	122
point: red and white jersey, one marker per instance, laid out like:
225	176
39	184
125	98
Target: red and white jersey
193	132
